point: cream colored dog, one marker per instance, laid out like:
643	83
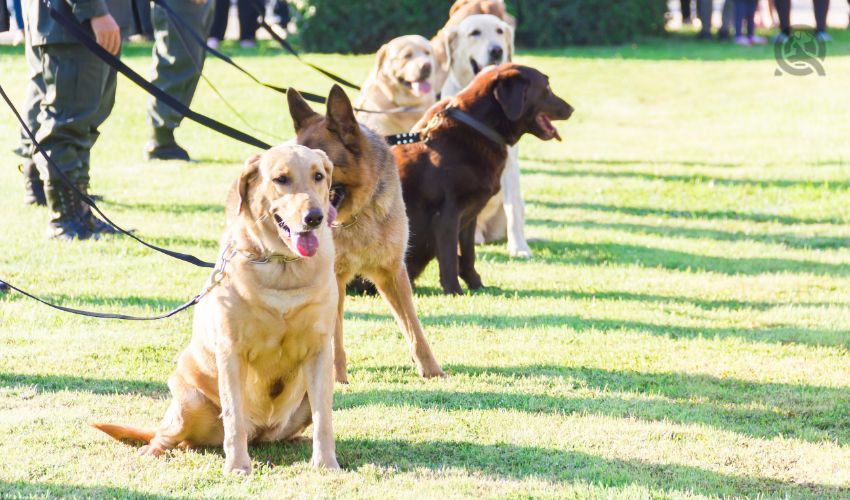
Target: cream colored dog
401	84
460	11
477	42
259	366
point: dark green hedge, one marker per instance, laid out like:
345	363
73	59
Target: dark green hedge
362	26
558	23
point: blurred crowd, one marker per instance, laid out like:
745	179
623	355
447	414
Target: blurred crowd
741	18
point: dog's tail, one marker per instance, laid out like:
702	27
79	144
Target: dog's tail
126	433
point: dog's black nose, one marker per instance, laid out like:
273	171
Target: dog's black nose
496	54
426	71
314	218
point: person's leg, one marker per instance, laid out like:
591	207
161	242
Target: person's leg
752	6
19	14
221	13
178	63
33	186
727	19
821	10
740	16
783	10
705	9
249	12
73	106
686	11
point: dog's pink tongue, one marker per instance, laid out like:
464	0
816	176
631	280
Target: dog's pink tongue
307	243
422	87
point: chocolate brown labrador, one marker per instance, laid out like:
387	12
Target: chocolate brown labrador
447	180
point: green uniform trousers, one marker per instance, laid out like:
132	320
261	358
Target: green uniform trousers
70	94
177	61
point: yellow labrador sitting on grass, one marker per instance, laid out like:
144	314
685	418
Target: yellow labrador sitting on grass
259	366
400	86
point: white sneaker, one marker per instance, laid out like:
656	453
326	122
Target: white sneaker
213	43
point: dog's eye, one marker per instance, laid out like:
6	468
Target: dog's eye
319	176
282	180
408	55
475	33
499	31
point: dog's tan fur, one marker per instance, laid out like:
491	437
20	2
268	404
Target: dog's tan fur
393	86
258	367
458	12
371	239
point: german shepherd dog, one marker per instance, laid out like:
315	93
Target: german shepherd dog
371	230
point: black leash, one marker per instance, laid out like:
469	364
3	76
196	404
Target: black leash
191	259
91	314
285	44
224	57
77	32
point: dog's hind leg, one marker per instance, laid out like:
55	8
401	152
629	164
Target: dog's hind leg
394	286
191	420
340	360
514	206
467	257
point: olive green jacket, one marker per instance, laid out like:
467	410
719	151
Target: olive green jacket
42	29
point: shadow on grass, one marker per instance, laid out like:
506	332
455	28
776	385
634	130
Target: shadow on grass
617	295
787	239
509	461
842	184
26	489
686	214
809	413
777	334
58	383
563	252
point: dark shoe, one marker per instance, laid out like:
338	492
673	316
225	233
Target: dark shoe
33	186
704	35
723	36
66	212
163	147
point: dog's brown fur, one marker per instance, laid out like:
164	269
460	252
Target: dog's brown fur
258	367
448	180
371	239
458	12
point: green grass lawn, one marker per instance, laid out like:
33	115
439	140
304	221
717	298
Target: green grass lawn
682	330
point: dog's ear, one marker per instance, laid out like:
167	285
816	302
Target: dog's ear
249	171
299	110
450	41
380	58
341	119
511	92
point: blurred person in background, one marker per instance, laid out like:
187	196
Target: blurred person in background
783	9
745	12
705	10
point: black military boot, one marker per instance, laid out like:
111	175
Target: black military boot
95	226
163	146
33	185
65	213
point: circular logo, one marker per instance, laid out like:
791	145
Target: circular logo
800	54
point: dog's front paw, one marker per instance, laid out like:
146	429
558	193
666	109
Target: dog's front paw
319	462
237	467
519	251
432	370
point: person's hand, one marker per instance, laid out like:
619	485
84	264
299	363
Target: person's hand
107	32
